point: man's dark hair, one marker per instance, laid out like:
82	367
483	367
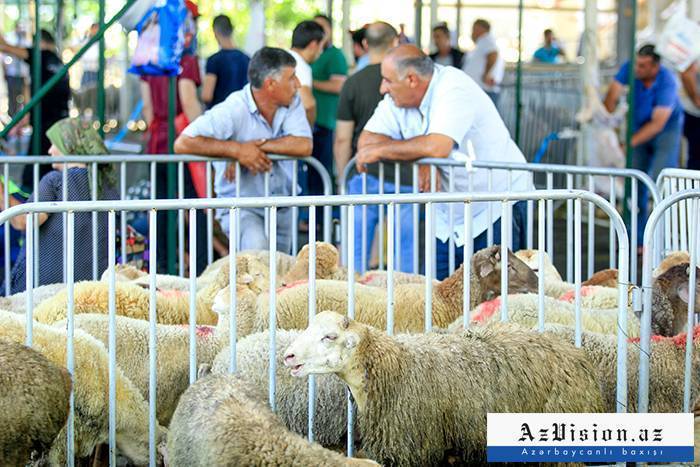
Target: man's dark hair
483	23
222	26
327	18
268	62
305	33
442	27
359	35
649	51
548	32
47	37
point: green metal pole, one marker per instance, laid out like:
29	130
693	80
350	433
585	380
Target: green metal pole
172	174
519	74
630	111
36	97
36	83
101	74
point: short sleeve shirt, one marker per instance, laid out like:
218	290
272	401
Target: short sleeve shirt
475	62
302	70
662	93
230	66
238	119
331	62
455	106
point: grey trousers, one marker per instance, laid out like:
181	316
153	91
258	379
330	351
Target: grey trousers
251	230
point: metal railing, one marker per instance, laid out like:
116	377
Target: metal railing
677	227
541	175
691	198
273	204
125	161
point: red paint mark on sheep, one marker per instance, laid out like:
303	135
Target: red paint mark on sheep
291	285
679	340
570	296
173	293
367	279
201	330
486	310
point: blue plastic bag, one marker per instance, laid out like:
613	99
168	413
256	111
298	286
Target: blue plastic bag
161	40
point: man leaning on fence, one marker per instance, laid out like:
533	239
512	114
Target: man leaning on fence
430	110
265	117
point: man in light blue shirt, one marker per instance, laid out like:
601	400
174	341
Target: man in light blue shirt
429	111
265	117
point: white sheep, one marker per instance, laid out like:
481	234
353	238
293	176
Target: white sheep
438	388
17	303
90	386
221	421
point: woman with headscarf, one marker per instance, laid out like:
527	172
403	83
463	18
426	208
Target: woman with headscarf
69	136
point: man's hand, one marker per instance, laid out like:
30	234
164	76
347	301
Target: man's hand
253	158
488	80
424	179
369	154
230	172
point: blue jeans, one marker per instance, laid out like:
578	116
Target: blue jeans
442	249
651	157
404	252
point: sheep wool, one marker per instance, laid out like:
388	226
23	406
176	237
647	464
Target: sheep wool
291	396
33	402
672	259
90	386
604	278
327	265
532	259
17	303
667	367
220	421
410	394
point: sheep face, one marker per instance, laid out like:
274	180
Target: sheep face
326	346
327	259
676	279
487	266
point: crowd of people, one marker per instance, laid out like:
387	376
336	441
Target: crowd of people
398	105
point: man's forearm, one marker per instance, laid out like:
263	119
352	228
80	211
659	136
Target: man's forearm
18	52
342	151
296	146
369	138
332	86
645	133
414	148
203	146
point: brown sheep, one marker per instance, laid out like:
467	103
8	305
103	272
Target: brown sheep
604	278
409	299
221	421
671	259
33	402
327	265
423	395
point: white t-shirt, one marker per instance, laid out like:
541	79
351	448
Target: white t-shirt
455	106
688	105
303	70
475	62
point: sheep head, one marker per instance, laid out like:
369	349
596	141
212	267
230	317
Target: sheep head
328	345
133	443
532	260
124	273
327	259
674	258
674	283
486	264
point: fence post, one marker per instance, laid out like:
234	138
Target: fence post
519	74
101	73
171	246
36	81
630	113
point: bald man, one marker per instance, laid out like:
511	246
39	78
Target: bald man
431	111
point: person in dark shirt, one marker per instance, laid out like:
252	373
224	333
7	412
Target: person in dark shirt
358	99
227	69
54	105
446	54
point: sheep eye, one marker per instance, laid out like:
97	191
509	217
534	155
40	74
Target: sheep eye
329	337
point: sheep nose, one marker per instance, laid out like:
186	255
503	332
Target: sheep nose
289	359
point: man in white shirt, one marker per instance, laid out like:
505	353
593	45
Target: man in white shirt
429	111
307	40
484	64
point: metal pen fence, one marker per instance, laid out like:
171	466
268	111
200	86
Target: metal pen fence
544	176
128	162
677	218
687	199
461	201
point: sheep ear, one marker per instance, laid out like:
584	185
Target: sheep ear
246	279
486	269
351	340
345	323
683	292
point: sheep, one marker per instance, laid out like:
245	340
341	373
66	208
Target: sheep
523	310
129	273
33	402
667	367
90	387
409	299
291	393
17	303
671	259
531	258
221	421
466	376
604	278
381	278
172	307
327	260
172	357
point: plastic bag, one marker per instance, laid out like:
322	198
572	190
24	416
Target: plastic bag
161	40
679	43
133	15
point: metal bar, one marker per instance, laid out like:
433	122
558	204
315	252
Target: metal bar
193	296
391	253
29	277
39	93
181	219
122	217
64	240
295	210
266	189
451	240
467	264
94	222
101	71
35	168
70	349
152	349
397	226
380	224
112	338
550	218
351	315
505	225
691	307
272	308
577	270
171	174
416	220
210	218
591	229
36	85
540	263
519	75
238	211
364	248
613	203
6	205
634	218
428	324
489	223
312	313
233	315
569	231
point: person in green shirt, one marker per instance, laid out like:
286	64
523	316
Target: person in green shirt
329	74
